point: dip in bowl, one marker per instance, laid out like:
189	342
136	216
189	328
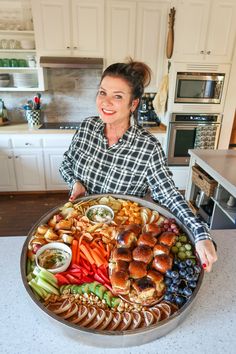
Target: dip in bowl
54	256
100	214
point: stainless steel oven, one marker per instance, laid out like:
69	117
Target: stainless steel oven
198	87
191	131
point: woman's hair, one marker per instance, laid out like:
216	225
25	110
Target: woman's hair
136	74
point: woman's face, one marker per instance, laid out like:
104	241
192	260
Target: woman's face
114	100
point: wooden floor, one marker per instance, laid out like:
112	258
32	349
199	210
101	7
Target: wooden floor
19	212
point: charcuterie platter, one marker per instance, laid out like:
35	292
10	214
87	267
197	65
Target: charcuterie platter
111	265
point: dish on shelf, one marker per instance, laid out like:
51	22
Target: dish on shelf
27	44
24	80
87	299
4	80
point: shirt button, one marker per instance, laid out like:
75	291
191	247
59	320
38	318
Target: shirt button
120	140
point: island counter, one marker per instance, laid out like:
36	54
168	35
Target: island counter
209	328
220	165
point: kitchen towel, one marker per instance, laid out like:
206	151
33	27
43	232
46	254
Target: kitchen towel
159	102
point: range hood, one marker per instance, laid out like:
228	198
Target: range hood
71	62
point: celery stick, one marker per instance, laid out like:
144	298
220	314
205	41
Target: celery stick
49	277
28	266
46	286
41	292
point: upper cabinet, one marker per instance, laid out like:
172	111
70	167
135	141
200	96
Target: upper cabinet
137	29
69	27
205	30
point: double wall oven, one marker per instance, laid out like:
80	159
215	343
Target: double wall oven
191	131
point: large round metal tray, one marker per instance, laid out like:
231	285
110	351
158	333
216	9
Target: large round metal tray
106	338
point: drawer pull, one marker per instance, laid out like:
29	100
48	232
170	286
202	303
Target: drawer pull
28	144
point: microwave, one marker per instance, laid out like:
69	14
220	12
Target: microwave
199	87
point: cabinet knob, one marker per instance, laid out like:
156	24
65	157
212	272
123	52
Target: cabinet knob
202	52
28	144
67	47
208	52
9	157
17	157
75	47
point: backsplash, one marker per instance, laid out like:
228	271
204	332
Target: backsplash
70	96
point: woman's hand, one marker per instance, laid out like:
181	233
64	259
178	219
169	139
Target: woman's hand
207	253
78	190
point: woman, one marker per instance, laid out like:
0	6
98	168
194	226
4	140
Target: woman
112	154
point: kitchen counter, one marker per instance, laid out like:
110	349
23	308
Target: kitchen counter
209	328
23	128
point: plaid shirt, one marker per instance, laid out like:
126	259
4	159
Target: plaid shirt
133	166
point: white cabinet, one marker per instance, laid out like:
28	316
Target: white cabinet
69	27
205	30
137	29
53	149
180	176
17	48
7	175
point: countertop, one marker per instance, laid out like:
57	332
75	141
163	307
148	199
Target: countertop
209	328
219	164
23	128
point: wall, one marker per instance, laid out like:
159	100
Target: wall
70	96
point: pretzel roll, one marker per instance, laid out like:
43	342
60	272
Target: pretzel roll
122	266
145	288
158	280
160	248
126	238
154	229
137	269
120	282
143	254
162	263
167	238
147	239
122	254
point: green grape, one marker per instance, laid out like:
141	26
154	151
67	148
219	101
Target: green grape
174	249
183	238
181	255
178	244
182	249
188	253
188	247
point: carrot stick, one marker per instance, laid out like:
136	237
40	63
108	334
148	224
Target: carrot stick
77	255
99	259
86	253
74	247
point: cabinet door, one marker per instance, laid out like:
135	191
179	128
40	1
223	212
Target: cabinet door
53	159
191	29
88	27
52	26
29	169
120	23
221	31
7	175
151	37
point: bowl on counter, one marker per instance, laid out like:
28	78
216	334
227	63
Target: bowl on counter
105	337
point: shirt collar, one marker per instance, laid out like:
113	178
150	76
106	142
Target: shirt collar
128	136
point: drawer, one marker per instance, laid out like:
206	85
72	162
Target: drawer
5	142
57	141
27	142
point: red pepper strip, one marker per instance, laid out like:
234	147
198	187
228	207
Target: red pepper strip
61	279
103	276
84	264
72	280
108	286
98	278
87	280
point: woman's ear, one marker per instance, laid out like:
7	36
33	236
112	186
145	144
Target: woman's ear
134	104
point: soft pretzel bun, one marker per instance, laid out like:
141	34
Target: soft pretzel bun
122	266
154	229
137	269
146	239
158	279
145	288
162	263
120	282
122	254
143	254
160	248
168	238
126	238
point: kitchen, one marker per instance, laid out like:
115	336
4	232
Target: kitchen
71	91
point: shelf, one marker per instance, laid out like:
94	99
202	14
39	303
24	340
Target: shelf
16	32
17	50
21	89
20	68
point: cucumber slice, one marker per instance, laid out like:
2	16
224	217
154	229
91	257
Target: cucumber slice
115	301
76	289
92	286
100	290
107	296
85	288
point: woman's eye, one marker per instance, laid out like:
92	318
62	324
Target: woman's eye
118	97
101	93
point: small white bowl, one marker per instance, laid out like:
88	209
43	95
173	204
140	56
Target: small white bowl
27	44
56	246
99	218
